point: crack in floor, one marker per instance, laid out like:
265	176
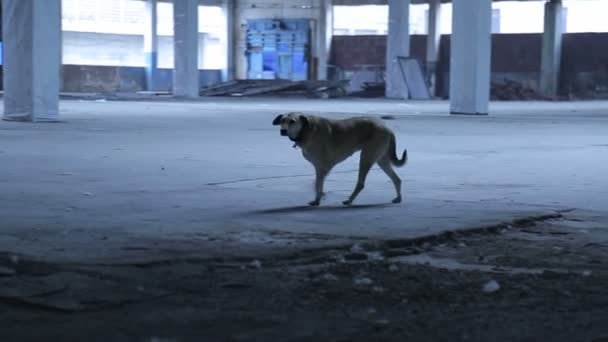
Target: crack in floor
274	177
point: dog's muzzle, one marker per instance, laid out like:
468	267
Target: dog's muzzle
284	132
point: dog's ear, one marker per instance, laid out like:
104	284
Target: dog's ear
305	121
277	120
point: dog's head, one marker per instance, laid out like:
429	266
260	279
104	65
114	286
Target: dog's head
293	125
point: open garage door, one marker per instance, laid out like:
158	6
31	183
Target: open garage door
278	49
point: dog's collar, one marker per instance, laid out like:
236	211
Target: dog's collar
296	141
300	139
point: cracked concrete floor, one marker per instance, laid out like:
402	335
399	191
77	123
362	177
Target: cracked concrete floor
145	187
161	179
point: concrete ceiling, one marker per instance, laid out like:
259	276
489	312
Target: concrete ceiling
339	2
384	2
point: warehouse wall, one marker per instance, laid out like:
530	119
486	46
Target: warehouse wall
110	79
114	79
585	63
515	57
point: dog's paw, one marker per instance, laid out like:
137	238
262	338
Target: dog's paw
347	202
397	200
314	203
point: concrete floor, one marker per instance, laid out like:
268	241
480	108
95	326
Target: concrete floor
124	181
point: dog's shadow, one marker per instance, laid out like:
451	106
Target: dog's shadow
306	208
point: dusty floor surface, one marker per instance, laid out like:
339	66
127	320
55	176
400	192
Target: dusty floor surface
542	279
186	221
122	180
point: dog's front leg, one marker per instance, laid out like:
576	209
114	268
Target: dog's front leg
320	174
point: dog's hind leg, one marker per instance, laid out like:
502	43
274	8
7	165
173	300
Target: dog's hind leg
385	165
365	164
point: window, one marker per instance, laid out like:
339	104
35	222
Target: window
110	32
373	19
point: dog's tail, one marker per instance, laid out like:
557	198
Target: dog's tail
392	152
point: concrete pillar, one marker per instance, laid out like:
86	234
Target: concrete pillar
229	8
185	41
470	56
151	44
432	42
552	48
32	59
398	45
325	30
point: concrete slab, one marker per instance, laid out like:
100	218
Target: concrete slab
124	181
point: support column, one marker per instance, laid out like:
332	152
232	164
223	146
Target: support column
470	57
325	32
433	39
32	59
552	48
398	45
151	44
185	41
228	73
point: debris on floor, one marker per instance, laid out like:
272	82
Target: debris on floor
356	248
378	289
371	90
154	93
72	292
491	286
81	96
329	277
362	281
13	259
244	88
375	256
513	91
5	271
255	264
311	295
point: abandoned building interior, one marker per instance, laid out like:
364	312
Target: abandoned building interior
145	194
